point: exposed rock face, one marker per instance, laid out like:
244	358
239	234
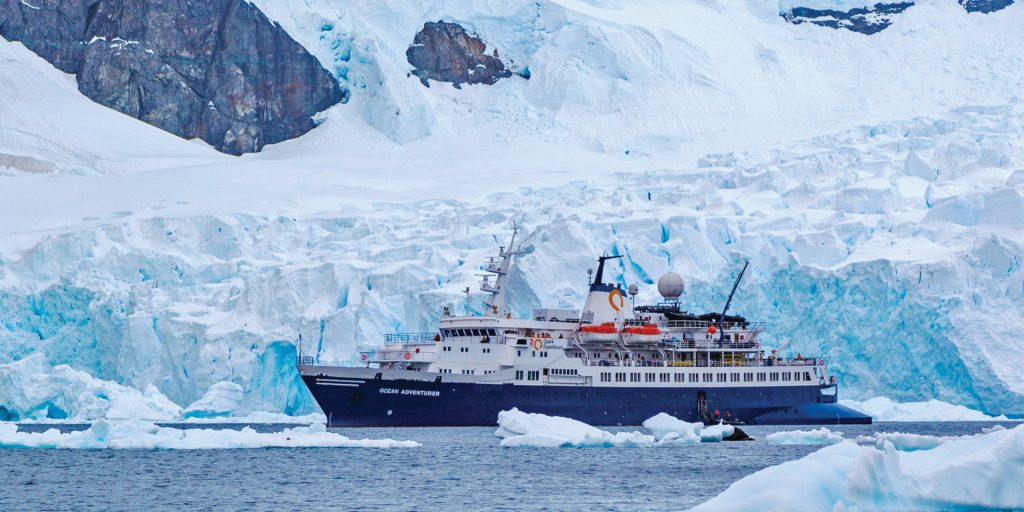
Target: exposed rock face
985	6
447	53
218	70
865	20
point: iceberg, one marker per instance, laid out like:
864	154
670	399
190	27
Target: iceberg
32	390
818	436
667	428
220	400
143	435
884	409
521	429
968	473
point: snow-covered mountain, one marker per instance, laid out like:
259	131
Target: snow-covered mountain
874	180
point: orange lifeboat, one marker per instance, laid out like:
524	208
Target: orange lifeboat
648	333
600	332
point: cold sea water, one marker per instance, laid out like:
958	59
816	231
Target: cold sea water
455	469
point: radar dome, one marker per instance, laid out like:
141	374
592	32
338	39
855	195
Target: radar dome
670	285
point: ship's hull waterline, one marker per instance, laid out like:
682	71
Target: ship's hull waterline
365	397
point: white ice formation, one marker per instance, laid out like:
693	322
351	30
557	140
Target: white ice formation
981	472
884	409
143	435
817	436
521	429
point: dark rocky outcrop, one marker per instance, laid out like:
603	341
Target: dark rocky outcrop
447	53
985	6
865	20
217	70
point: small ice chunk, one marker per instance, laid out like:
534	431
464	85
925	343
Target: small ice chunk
139	434
819	436
667	428
716	433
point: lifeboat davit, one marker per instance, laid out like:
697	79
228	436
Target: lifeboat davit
600	332
648	333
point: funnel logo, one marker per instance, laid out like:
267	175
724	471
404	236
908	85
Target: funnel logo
616	299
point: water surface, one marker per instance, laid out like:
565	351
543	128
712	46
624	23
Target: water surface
456	469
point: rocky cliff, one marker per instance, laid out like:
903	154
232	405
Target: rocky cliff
219	70
446	52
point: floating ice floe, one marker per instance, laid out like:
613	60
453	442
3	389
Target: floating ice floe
522	429
138	434
965	473
667	428
903	441
819	436
884	409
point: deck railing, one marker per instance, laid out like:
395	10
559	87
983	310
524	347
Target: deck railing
744	363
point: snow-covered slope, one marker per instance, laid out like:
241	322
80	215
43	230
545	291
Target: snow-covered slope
893	245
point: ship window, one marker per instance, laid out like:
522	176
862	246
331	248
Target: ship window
721	377
774	377
807	376
761	376
748	377
650	377
679	377
706	378
620	377
734	377
533	354
492	332
519	375
786	376
693	377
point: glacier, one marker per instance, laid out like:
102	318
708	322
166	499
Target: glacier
882	217
143	435
967	473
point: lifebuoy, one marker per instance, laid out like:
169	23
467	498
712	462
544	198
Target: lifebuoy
537	343
364	357
712	329
408	356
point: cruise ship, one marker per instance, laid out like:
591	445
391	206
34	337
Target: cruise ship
609	363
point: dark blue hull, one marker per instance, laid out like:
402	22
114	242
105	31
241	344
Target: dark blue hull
373	402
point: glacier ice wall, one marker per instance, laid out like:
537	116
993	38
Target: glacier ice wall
895	249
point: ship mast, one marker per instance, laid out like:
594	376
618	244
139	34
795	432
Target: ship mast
500	267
